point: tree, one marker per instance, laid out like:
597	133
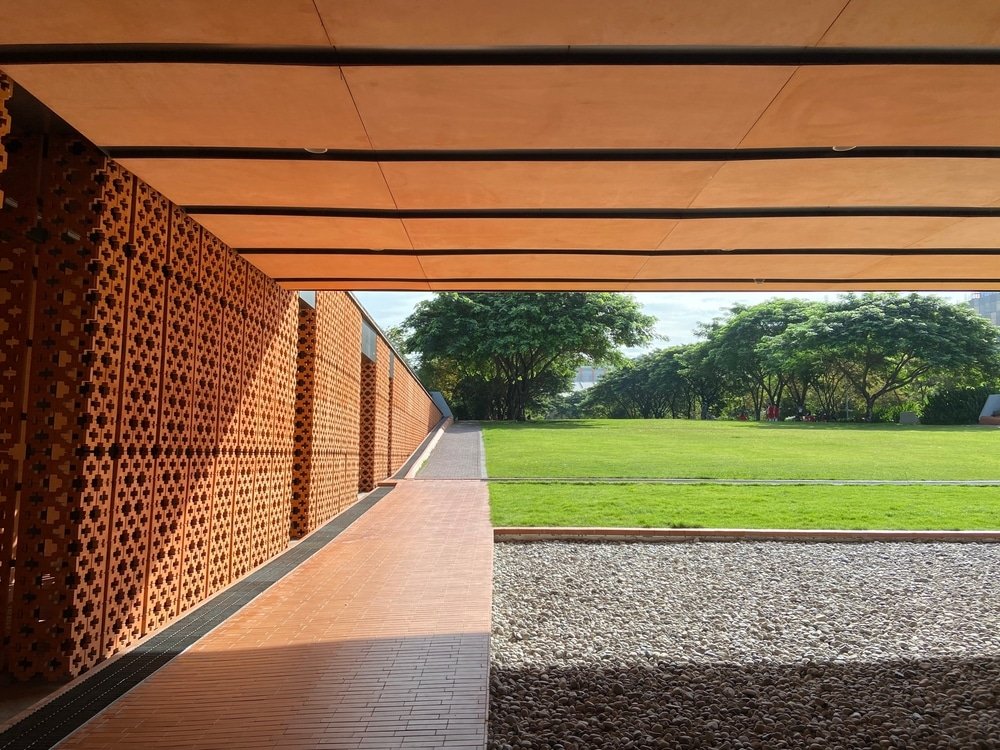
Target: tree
668	378
882	343
734	346
520	347
705	380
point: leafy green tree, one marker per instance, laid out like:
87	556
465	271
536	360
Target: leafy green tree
708	383
734	343
668	377
520	348
882	343
635	390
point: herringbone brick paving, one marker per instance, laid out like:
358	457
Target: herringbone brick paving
380	640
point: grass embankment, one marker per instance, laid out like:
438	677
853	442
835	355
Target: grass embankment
747	507
728	450
739	450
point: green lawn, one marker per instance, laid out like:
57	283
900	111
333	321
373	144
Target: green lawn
755	507
739	450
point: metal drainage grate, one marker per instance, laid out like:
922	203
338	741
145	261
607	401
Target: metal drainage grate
61	716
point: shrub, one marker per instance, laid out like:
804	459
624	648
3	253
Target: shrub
891	412
956	405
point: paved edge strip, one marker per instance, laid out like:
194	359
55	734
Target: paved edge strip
607	534
69	710
423	451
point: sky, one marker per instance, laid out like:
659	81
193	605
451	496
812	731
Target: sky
677	313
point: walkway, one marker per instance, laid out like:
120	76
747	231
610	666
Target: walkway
459	454
379	640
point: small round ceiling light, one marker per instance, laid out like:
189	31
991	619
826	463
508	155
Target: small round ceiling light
316	150
844	148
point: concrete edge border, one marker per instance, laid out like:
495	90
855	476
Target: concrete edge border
606	534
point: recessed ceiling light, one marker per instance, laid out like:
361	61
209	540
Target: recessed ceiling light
316	150
844	148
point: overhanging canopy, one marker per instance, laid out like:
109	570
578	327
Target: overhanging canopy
568	144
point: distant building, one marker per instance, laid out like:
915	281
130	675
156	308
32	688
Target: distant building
987	304
587	377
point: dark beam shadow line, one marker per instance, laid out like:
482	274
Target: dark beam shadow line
677	214
510	56
553	155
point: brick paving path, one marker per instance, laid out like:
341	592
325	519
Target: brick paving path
380	640
458	454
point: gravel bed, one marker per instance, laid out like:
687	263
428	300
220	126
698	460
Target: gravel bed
745	645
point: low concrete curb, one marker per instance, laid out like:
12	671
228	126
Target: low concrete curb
598	534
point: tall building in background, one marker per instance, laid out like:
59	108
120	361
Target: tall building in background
987	304
588	376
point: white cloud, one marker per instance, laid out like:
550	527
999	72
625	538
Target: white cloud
390	308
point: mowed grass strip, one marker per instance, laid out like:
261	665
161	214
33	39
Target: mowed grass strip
739	450
748	506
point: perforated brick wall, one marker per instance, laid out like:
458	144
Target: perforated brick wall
146	408
413	415
327	418
373	443
168	415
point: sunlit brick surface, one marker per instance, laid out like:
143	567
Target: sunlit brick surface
413	415
149	434
327	393
379	640
373	445
146	408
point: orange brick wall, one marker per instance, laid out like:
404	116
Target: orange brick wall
154	369
327	419
373	443
168	414
413	415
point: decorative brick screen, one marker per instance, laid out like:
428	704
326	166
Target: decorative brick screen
327	420
146	408
373	442
413	415
158	436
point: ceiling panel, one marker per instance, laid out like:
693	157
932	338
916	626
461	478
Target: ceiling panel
939	267
466	23
294	265
890	105
554	282
583	234
916	23
238	182
755	267
178	21
254	106
975	232
311	232
527	266
796	232
546	184
199	105
562	107
385	285
854	182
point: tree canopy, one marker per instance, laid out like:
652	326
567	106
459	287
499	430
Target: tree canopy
496	354
882	343
883	349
